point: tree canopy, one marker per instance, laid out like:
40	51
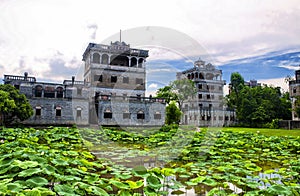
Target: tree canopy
259	105
13	105
177	90
173	113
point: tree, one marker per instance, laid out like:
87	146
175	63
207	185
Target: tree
237	83
257	106
13	105
173	113
178	90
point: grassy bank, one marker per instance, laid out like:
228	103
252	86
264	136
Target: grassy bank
265	131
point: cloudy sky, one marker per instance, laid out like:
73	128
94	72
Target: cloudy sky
255	37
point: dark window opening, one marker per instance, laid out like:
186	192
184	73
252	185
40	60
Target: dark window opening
38	112
49	92
226	118
78	113
200	96
208	118
38	91
294	90
200	86
107	115
58	112
157	116
59	92
113	79
200	105
126	115
203	117
140	115
126	80
208	96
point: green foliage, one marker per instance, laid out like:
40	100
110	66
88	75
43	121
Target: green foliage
54	162
173	114
13	104
177	90
258	106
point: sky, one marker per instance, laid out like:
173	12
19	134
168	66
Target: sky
255	37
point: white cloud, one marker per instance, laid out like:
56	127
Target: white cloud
153	85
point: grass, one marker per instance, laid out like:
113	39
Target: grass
265	131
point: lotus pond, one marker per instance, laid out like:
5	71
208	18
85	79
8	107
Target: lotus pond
169	161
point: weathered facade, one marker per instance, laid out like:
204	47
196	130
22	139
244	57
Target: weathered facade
294	90
206	108
112	93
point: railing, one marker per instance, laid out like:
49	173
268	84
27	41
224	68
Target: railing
130	98
23	78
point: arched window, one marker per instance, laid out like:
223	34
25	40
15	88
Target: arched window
96	58
196	75
49	92
133	62
201	76
140	115
192	76
59	92
58	111
141	61
104	59
38	91
189	76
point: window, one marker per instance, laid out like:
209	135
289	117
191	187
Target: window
208	118
79	91
203	117
200	86
140	115
126	115
157	115
96	58
38	91
59	92
220	88
58	111
126	80
212	96
220	117
294	90
113	79
38	111
139	81
98	78
78	113
200	96
107	113
208	96
200	105
212	87
49	92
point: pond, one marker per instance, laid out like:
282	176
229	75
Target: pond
207	162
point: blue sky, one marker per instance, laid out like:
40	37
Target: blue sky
259	39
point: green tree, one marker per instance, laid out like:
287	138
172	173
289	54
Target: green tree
237	84
173	113
177	90
13	105
257	106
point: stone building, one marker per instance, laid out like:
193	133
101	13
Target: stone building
112	93
294	90
206	108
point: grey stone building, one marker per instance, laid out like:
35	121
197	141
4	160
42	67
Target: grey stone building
206	108
294	90
112	93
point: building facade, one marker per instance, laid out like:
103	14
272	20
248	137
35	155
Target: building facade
294	90
206	108
112	93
